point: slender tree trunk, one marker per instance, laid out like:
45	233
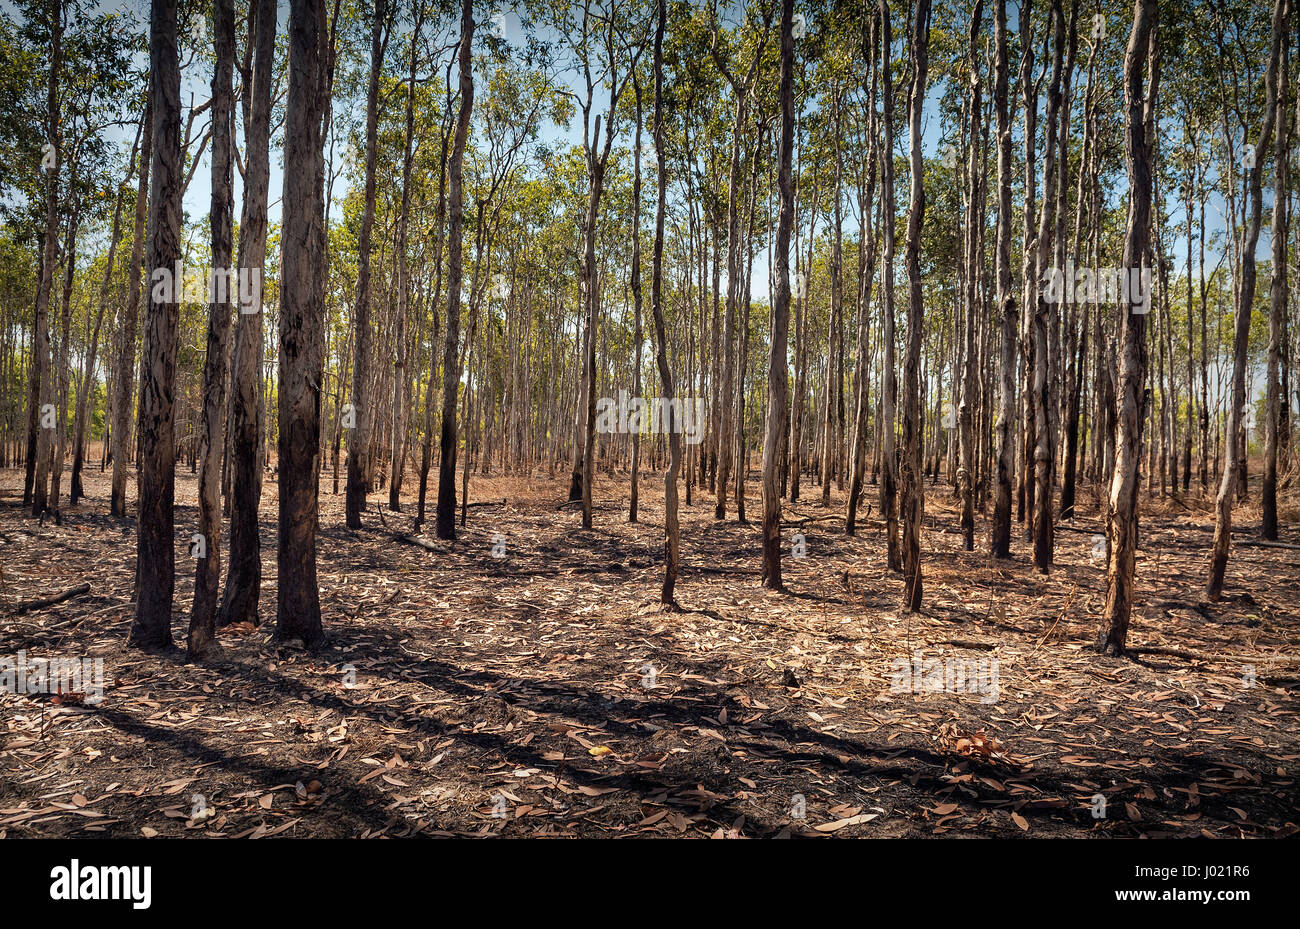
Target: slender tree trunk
1044	319
1000	535
672	531
911	505
1122	516
400	378
39	429
359	436
888	415
1233	460
446	513
155	538
1277	308
239	602
302	328
777	372
212	440
636	297
966	470
124	379
866	268
426	453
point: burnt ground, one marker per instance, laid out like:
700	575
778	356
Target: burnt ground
545	693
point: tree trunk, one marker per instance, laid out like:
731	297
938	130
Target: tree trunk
911	502
777	372
302	329
966	470
1233	470
39	429
212	440
244	576
888	448
1277	295
359	437
866	269
446	513
124	379
400	379
1122	516
1000	535
672	531
156	470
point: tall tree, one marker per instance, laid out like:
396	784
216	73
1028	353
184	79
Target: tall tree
889	388
1000	534
1234	457
672	531
1042	374
778	375
911	498
35	488
239	602
302	328
866	275
359	435
1275	423
156	471
637	335
221	289
1122	509
401	380
124	376
966	437
445	525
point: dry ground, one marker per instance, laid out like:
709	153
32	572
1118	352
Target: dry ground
544	692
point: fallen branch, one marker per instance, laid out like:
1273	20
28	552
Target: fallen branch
1260	543
41	602
422	543
968	643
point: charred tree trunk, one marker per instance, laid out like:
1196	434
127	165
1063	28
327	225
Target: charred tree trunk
155	539
445	526
212	439
1122	516
244	575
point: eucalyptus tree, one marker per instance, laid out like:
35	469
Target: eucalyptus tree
156	477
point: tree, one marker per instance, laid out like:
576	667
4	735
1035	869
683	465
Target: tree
1000	534
401	380
1121	516
778	374
889	387
239	602
866	274
445	525
911	501
966	470
1234	459
156	475
212	442
35	489
1275	423
672	531
302	328
359	436
124	395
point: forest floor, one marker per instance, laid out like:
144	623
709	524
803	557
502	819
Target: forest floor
545	693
